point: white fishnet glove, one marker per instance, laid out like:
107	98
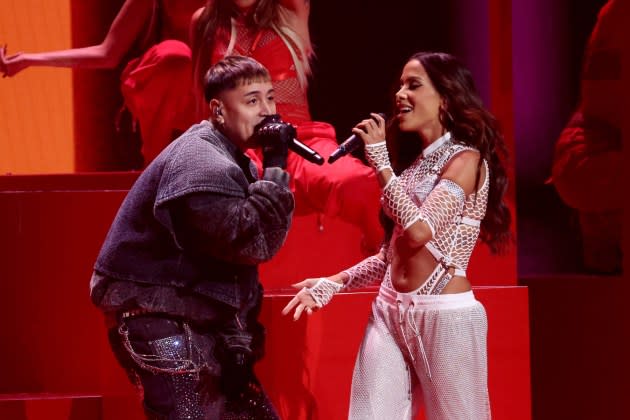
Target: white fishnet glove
323	291
377	156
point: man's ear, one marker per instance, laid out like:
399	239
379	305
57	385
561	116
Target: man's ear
215	108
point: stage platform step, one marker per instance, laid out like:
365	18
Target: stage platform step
46	406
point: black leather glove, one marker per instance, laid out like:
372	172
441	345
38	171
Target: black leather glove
274	136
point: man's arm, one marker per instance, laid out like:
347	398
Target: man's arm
247	230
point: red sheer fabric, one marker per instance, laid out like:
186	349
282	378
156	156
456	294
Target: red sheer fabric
347	189
157	88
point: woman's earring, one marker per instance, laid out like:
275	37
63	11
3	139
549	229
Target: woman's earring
446	116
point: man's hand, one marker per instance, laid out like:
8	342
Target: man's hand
274	136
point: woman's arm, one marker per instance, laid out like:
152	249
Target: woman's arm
300	8
125	29
315	293
294	13
442	204
419	223
194	21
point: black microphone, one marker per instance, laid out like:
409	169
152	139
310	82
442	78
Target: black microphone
305	151
272	125
351	143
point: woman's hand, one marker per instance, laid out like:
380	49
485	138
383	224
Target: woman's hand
11	65
371	130
302	301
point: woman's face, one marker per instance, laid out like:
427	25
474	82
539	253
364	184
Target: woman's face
417	101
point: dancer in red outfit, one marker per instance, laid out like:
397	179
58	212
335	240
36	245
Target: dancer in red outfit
587	166
152	84
275	32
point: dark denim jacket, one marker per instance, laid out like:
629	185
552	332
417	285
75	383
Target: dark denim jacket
194	221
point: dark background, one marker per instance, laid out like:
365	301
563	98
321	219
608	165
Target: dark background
360	48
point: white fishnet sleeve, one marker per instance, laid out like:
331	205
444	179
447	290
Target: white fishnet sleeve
369	271
443	205
323	291
399	205
377	156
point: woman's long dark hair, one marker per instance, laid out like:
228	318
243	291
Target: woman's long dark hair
471	124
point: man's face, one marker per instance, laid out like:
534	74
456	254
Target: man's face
243	107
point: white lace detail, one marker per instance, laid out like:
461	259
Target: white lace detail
369	271
323	291
399	205
443	205
377	156
453	240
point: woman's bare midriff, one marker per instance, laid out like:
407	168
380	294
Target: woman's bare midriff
409	273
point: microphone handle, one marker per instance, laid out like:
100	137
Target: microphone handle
306	152
344	148
349	145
